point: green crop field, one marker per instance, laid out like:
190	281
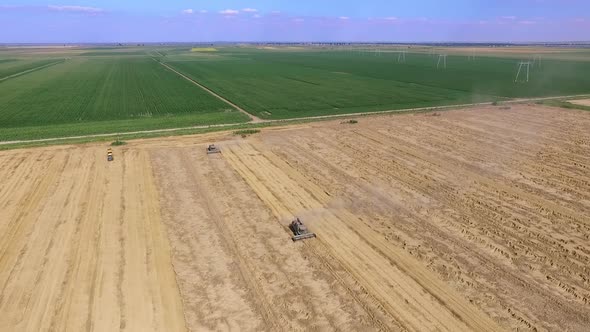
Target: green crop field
10	67
80	91
83	96
279	84
117	53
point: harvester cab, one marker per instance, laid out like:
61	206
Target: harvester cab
110	155
211	149
300	231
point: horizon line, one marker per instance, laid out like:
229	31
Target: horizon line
581	42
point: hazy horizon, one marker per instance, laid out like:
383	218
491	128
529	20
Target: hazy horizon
177	21
137	43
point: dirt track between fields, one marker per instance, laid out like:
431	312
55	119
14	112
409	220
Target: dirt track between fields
254	118
581	102
285	121
464	220
30	70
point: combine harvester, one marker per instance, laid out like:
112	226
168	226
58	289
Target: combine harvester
211	149
301	232
110	155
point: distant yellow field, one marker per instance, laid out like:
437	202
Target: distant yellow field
203	49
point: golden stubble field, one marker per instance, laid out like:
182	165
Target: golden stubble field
464	220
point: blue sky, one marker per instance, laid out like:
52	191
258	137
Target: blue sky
74	21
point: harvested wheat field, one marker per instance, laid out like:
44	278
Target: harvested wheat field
581	102
456	221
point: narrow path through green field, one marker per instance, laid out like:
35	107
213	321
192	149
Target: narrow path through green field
31	70
254	118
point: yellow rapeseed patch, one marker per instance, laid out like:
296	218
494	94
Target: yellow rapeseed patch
203	49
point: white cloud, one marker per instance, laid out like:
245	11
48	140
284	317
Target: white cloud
76	9
188	11
256	16
298	20
391	18
229	12
203	11
344	17
250	10
508	18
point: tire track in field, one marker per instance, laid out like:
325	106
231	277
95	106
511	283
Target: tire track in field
55	242
383	208
442	160
17	178
271	320
19	241
300	198
510	156
60	251
378	157
565	173
490	211
390	275
21	223
317	249
7	164
213	290
150	294
301	295
379	243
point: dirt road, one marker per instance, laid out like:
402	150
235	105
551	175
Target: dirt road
310	118
463	220
581	102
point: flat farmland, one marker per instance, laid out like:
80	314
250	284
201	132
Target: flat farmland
465	220
284	90
83	96
65	92
82	245
278	84
10	67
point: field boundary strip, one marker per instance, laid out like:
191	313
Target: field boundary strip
254	118
31	70
286	121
